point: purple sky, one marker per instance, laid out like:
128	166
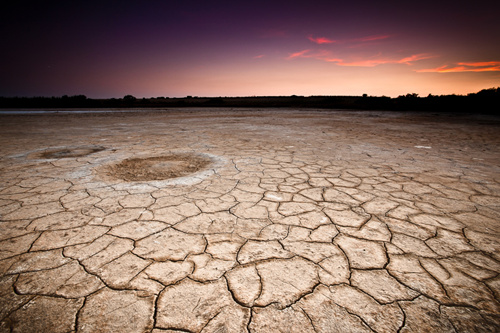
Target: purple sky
234	48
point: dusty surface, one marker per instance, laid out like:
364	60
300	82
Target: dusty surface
303	221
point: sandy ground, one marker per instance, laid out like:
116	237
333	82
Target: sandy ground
276	221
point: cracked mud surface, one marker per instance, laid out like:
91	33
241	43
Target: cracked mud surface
304	221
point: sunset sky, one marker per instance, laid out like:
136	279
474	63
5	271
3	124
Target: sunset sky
105	49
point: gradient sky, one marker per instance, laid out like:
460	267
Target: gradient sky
106	49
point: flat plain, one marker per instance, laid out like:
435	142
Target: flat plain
247	220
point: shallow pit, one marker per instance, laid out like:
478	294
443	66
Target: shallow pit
67	152
158	167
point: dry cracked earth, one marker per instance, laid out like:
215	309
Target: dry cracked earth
249	221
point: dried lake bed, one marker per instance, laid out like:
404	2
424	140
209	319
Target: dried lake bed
246	220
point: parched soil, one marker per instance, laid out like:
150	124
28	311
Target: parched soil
275	221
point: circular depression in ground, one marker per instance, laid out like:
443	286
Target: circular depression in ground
67	152
158	167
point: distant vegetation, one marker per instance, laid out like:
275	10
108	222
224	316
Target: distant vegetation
484	101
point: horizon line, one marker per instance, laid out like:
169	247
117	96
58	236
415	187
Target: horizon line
247	96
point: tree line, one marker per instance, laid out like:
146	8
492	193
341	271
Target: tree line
484	101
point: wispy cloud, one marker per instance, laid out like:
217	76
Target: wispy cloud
415	57
328	56
321	40
481	66
299	54
259	56
314	54
372	38
366	62
326	40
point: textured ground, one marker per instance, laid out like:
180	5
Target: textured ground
304	221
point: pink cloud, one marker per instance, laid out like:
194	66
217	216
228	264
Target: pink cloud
321	40
484	66
259	56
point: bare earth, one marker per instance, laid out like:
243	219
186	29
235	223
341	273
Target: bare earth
249	221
